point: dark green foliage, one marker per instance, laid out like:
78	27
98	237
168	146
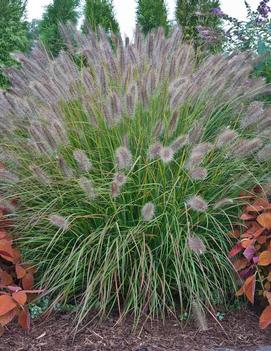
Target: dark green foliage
13	32
100	13
151	14
60	11
192	14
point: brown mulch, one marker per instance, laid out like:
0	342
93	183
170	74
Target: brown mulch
239	329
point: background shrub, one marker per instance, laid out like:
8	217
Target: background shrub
130	168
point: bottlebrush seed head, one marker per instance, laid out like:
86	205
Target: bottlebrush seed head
196	244
166	154
60	222
87	186
198	173
226	137
124	158
120	179
148	212
40	175
82	160
198	204
154	151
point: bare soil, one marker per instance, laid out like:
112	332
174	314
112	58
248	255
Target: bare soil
238	330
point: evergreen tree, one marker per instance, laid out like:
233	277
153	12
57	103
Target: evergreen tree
13	32
60	11
198	17
100	13
151	14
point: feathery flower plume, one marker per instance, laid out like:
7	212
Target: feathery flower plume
124	158
196	244
198	173
82	160
7	176
265	153
199	316
115	190
198	154
120	179
173	123
65	169
223	202
154	151
166	154
178	143
88	188
254	114
246	147
60	222
198	204
148	212
226	137
195	133
158	129
40	175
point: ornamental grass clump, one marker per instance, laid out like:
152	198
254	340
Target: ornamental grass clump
125	159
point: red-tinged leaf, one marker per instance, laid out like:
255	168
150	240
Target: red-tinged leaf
6	250
6	304
249	253
263	202
28	281
5	278
20	271
249	288
24	319
265	258
258	233
240	292
8	317
235	234
268	296
265	318
240	264
235	250
262	239
20	297
17	256
3	234
247	217
254	209
265	220
245	243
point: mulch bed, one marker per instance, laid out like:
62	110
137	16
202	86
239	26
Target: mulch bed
239	329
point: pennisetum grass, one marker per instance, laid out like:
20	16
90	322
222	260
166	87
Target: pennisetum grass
128	163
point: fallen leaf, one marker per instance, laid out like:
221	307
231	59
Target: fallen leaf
20	271
235	250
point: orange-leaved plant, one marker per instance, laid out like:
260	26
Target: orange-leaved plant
16	278
252	253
